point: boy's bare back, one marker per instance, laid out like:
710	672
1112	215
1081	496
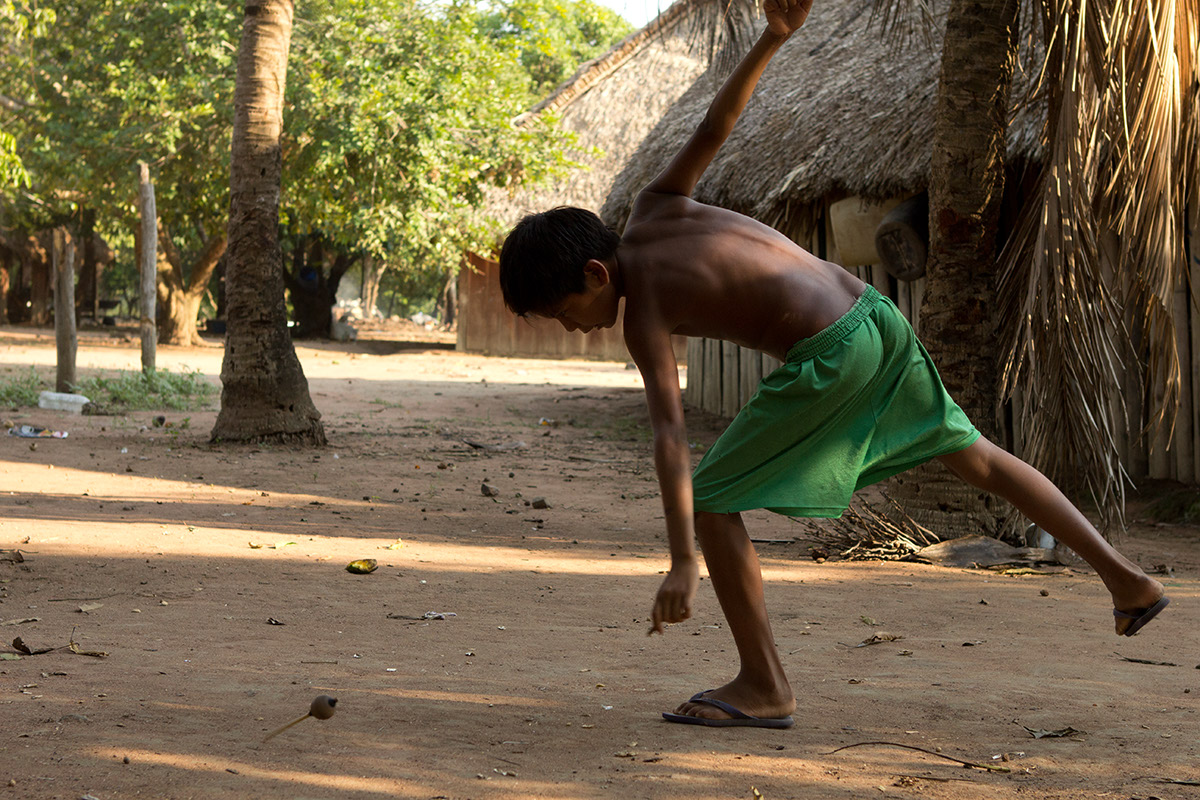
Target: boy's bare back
698	270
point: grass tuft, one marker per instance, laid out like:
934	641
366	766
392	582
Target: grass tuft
119	393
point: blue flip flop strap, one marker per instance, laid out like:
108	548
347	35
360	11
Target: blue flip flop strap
722	705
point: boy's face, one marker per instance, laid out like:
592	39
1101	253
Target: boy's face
595	307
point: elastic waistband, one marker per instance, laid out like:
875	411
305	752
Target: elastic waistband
807	348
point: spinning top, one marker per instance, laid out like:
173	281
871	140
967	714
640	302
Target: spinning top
321	708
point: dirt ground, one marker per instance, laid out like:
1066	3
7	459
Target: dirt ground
214	577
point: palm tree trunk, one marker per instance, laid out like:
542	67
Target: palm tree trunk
265	395
958	320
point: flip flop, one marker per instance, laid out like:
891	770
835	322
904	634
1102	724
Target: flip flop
1141	616
738	718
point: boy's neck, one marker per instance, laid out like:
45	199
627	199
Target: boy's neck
615	274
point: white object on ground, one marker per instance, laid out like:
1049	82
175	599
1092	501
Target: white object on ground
61	401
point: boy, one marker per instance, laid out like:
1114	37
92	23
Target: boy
856	401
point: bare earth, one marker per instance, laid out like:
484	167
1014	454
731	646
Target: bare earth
214	579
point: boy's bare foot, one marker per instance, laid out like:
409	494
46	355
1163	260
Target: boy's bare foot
748	699
1134	601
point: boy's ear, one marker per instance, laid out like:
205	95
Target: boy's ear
595	272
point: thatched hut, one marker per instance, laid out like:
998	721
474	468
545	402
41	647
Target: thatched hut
611	103
838	133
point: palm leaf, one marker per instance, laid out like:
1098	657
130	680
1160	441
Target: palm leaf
1120	149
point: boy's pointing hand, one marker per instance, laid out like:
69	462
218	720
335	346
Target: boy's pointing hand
674	600
785	17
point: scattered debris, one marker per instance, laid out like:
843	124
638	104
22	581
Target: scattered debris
362	566
273	621
488	491
425	616
539	502
503	446
1177	781
12	556
982	551
74	648
879	637
34	432
1056	734
86	607
20	621
19	644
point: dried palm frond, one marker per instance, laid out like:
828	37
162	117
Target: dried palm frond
903	21
1118	153
869	533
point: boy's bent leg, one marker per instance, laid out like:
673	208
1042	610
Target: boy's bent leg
761	688
989	467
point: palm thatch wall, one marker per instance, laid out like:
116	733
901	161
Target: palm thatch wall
611	104
842	111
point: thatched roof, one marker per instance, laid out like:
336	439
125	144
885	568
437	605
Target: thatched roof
614	101
840	111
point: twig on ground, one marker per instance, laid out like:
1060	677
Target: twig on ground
988	767
1146	661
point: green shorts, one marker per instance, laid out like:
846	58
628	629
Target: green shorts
855	404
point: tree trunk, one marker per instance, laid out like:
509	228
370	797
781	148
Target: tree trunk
7	259
372	273
179	298
449	301
958	324
147	258
314	291
265	395
40	278
63	255
88	298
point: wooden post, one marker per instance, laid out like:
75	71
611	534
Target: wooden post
149	266
1193	367
1183	470
62	256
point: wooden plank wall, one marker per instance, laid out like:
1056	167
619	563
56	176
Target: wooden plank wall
486	326
722	377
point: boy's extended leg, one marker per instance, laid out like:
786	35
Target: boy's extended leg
989	467
761	688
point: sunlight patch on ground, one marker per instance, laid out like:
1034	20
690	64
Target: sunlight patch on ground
459	697
432	365
209	763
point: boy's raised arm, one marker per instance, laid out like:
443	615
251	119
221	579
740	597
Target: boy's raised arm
784	17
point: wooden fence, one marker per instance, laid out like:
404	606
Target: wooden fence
723	376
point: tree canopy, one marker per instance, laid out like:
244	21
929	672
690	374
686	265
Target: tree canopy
553	36
398	115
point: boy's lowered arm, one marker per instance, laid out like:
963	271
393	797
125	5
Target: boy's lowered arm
784	17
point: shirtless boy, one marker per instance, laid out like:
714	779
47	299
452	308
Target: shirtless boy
857	399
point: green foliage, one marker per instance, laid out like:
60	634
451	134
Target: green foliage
553	37
17	24
138	391
21	390
116	82
399	116
124	391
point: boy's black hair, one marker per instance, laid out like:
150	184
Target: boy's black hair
542	259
